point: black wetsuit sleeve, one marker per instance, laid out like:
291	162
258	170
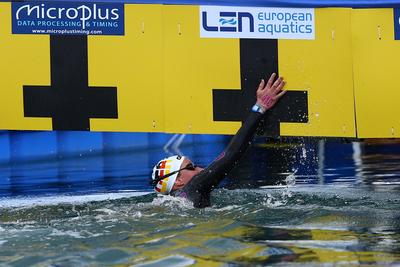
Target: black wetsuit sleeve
199	188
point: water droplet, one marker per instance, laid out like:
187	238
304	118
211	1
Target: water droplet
304	151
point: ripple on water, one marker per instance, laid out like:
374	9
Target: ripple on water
170	261
160	230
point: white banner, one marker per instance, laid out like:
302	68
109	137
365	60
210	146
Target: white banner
257	22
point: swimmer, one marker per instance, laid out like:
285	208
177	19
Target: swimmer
178	176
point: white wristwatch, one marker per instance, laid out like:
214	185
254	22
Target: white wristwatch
257	108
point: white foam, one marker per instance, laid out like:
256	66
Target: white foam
66	233
65	199
152	241
173	202
272	186
386	183
231	207
106	211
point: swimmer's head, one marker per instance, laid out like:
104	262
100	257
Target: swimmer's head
165	173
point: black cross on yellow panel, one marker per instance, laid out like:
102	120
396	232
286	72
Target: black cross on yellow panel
259	58
69	101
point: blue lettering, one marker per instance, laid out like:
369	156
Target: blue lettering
242	15
269	29
205	26
309	17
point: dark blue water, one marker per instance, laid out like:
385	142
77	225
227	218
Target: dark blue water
298	203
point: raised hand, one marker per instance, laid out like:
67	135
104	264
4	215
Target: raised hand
268	94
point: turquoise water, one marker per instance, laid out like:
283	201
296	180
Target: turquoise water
314	204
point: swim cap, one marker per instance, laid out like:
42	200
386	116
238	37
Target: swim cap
164	167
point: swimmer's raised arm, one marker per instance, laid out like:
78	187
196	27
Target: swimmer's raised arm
267	96
178	176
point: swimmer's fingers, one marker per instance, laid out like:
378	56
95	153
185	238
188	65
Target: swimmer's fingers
271	80
280	86
261	85
280	94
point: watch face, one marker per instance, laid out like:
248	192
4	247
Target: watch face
257	108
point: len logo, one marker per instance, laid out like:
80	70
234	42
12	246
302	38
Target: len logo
230	18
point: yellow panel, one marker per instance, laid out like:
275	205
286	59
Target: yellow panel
376	78
323	67
165	73
193	67
133	63
25	60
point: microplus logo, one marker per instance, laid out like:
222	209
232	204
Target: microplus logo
258	23
68	18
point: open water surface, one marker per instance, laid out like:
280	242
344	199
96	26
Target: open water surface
307	204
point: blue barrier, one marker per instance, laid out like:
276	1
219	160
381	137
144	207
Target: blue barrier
124	141
79	142
18	146
46	162
4	146
27	144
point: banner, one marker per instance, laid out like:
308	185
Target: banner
256	23
72	18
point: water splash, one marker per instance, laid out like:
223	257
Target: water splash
176	203
273	202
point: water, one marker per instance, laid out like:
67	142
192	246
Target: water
312	204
